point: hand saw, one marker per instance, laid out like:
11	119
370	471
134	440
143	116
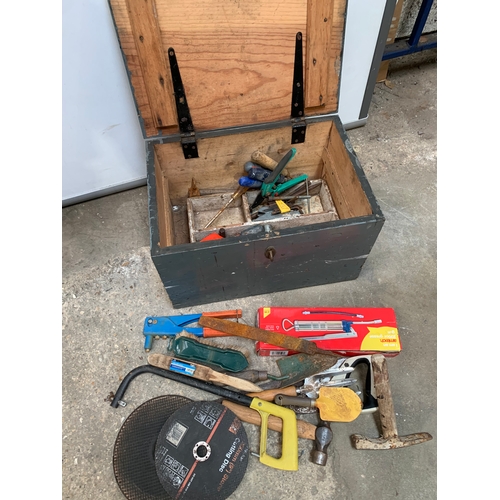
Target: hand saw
289	459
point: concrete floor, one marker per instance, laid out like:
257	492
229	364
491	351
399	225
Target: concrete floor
110	285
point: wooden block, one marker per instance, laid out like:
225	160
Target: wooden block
348	195
155	70
319	32
384	65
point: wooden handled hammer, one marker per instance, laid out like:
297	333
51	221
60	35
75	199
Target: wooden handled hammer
389	439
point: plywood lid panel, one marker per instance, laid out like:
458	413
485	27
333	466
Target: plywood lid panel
236	58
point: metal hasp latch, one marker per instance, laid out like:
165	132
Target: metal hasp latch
297	115
188	138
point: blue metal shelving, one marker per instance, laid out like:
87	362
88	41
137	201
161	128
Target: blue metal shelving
415	42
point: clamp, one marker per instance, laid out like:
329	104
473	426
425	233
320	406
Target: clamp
156	327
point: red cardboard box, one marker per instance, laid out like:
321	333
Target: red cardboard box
347	331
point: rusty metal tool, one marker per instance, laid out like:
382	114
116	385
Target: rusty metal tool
265	161
299	366
251	332
390	438
239	192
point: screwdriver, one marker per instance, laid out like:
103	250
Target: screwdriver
259	173
249	183
241	190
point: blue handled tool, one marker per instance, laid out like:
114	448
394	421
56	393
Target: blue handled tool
270	184
255	171
156	327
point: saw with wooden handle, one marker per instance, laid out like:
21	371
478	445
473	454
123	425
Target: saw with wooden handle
305	430
273	338
335	404
201	372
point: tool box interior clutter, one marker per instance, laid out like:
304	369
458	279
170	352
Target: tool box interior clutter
265	200
253	184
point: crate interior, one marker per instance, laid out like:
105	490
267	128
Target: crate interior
220	164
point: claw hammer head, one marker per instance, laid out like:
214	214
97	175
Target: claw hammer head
389	439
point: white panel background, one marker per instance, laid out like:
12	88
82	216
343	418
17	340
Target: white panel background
103	146
363	21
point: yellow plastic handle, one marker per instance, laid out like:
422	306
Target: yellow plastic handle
289	459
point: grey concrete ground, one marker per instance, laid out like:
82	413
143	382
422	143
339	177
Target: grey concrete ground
110	285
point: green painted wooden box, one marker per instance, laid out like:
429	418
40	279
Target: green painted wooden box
214	81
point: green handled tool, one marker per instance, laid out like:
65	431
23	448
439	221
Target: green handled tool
269	186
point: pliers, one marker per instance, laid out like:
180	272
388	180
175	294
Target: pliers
269	185
169	326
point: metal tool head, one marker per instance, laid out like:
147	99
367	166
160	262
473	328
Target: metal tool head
313	385
333	376
323	438
279	168
300	366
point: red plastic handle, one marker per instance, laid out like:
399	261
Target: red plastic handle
235	313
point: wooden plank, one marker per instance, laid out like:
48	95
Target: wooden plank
319	34
164	207
155	70
336	46
124	31
347	192
391	37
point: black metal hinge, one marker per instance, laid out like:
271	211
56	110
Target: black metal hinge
188	137
297	114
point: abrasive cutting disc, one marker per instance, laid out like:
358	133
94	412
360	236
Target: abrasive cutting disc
202	452
133	455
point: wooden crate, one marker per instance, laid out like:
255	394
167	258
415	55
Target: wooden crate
238	61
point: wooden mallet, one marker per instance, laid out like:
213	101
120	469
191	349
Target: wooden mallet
389	439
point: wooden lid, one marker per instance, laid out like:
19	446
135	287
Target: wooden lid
236	58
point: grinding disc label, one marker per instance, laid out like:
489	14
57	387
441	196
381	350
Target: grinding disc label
176	433
201	452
